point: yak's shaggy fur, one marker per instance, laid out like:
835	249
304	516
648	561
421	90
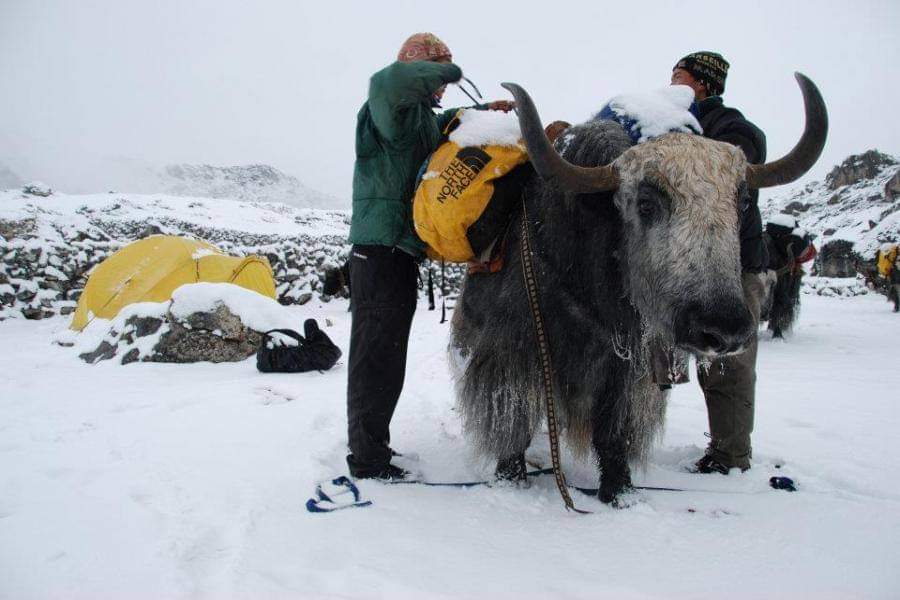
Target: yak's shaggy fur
782	305
616	271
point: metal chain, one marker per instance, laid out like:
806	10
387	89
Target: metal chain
546	365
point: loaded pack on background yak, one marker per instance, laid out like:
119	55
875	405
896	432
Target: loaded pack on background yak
789	247
623	247
887	262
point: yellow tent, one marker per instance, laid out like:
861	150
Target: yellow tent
149	270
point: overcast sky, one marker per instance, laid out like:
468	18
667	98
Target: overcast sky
86	85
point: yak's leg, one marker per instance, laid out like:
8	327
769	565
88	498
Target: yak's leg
615	475
610	441
513	467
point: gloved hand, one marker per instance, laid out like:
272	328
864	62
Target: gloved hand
504	105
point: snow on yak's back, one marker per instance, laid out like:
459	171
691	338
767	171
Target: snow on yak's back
633	246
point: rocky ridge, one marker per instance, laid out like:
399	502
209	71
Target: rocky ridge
249	183
858	203
48	245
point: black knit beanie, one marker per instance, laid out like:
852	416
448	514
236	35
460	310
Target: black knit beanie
709	68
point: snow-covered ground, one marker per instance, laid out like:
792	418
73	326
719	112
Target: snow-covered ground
177	481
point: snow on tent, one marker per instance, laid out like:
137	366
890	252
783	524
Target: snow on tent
149	270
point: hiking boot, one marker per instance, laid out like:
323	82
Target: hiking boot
387	473
511	469
709	464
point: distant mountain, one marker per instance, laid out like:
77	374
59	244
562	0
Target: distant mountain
251	183
8	179
859	202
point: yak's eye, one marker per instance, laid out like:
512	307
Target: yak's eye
651	203
646	207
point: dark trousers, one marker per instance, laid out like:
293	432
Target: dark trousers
729	386
384	296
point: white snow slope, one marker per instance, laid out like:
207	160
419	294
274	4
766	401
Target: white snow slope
843	214
189	481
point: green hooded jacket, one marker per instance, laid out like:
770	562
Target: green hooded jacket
396	130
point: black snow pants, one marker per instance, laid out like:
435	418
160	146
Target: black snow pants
382	305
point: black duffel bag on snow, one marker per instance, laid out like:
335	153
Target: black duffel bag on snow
315	352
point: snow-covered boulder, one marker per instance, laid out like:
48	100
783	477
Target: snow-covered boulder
36	188
857	168
214	322
892	187
841	287
837	258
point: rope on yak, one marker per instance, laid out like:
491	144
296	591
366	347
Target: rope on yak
531	285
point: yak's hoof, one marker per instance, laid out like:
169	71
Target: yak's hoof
613	483
511	469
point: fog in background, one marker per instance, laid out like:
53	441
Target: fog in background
89	89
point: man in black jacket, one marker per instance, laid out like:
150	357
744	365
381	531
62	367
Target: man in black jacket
729	383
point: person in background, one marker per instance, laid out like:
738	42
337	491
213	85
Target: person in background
729	384
396	130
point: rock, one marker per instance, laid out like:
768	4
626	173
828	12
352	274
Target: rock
144	326
16	229
36	188
221	320
149	230
66	310
837	259
51	284
215	337
26	295
33	313
304	298
857	168
218	336
104	351
795	208
892	187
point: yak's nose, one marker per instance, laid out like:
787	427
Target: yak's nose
714	328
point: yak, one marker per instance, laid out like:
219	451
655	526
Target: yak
788	249
634	248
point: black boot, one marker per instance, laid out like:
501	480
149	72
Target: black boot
709	463
386	472
511	469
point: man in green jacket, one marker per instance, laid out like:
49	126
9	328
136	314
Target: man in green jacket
396	130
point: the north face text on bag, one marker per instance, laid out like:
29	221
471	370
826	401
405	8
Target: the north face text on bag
461	172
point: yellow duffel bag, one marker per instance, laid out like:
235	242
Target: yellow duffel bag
456	192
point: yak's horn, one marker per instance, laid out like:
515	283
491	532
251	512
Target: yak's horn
547	162
804	155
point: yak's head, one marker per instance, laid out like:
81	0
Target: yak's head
680	198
